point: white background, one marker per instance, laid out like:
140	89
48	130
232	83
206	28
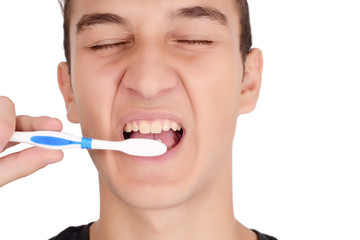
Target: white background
296	157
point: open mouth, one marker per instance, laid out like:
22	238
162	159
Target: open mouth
169	132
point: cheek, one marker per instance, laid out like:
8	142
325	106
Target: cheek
217	114
214	87
95	90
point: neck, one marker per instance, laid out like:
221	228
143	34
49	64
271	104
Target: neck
208	215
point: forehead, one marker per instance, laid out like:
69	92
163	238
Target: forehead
144	10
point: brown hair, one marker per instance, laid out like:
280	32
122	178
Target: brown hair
243	10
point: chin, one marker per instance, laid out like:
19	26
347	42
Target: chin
159	194
142	183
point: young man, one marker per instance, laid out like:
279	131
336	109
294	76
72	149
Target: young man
180	71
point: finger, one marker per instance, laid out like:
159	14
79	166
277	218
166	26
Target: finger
7	120
21	164
27	123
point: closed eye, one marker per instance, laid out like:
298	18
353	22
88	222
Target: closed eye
107	46
197	42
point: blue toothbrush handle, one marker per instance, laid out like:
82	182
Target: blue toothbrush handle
51	140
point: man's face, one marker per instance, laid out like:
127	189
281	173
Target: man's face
146	62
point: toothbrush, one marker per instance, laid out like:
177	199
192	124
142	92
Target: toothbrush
59	140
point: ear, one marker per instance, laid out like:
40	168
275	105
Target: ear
64	81
250	87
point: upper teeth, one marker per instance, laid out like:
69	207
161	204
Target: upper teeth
157	126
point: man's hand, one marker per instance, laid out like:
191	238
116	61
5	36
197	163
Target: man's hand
23	163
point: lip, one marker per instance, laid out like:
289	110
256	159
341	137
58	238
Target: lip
151	116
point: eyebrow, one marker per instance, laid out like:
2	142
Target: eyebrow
213	14
200	12
89	20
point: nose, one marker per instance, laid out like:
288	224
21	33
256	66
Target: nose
149	74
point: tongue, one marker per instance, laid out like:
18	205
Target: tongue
169	138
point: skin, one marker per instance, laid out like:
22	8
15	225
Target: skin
28	161
159	74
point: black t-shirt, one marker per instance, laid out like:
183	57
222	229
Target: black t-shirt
82	233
